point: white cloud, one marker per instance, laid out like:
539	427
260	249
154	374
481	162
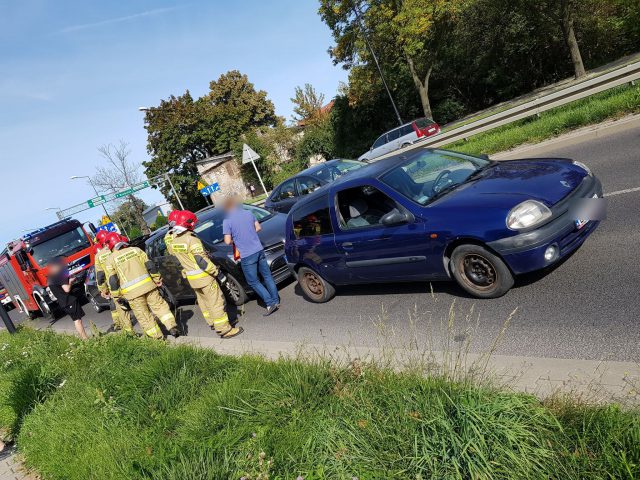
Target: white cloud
127	18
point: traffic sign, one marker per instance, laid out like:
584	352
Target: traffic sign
210	189
108	227
131	190
249	155
99	200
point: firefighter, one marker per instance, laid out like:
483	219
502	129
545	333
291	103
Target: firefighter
136	279
200	272
121	317
172	223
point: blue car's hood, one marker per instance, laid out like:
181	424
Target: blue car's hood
507	183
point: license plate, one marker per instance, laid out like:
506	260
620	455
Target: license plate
580	223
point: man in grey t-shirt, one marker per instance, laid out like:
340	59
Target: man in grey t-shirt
241	228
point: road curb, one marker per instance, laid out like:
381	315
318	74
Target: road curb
629	121
590	380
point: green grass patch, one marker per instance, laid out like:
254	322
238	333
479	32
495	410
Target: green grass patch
610	104
117	407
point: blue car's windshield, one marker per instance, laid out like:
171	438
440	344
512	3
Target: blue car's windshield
432	174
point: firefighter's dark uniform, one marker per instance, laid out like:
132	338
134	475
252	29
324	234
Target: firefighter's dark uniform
121	317
201	274
134	277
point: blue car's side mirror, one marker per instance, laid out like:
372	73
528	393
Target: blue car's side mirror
395	217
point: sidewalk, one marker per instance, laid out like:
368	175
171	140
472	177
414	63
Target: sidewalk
590	380
11	468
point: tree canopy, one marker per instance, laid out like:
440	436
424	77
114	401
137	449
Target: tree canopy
182	131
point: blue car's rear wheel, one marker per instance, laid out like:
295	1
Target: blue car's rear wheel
314	287
480	272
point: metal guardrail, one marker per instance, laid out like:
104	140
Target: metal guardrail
615	78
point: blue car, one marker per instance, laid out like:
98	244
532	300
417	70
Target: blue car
438	215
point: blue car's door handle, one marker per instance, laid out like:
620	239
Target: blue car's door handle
347	245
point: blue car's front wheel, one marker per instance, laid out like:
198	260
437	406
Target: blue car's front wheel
480	272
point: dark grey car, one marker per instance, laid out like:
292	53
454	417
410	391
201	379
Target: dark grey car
285	195
209	230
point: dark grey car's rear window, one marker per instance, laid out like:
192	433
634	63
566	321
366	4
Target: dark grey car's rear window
209	229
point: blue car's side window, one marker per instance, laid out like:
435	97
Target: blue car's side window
312	219
362	207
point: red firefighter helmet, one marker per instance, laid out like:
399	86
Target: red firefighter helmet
101	237
112	240
173	215
186	219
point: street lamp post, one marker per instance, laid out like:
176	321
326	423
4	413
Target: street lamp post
356	9
95	190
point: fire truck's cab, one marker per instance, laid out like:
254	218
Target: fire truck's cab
23	265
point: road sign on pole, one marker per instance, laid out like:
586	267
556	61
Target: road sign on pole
210	189
94	202
249	155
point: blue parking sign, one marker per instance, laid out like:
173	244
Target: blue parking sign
209	189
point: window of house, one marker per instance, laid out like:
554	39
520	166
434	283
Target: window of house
312	219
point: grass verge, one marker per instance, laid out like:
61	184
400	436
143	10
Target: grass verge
611	104
118	407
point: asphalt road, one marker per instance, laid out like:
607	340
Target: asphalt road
587	308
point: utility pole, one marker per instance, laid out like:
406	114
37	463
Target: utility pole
356	9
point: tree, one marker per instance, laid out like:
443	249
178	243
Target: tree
120	173
126	217
307	104
567	20
414	31
182	131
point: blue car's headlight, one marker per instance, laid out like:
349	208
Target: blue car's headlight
527	214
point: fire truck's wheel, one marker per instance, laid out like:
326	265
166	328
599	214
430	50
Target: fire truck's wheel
45	310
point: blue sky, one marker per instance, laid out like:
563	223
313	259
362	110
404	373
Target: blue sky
74	72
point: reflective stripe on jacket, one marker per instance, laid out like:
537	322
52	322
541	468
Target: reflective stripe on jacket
101	258
199	270
129	265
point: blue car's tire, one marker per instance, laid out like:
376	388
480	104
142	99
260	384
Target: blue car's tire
315	288
480	272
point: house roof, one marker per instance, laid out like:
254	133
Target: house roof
216	159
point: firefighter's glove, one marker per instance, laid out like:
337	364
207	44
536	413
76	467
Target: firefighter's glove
124	303
222	278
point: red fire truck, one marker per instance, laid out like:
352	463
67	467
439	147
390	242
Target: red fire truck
23	264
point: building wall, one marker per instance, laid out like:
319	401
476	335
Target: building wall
227	174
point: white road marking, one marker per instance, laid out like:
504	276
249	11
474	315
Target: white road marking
620	192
